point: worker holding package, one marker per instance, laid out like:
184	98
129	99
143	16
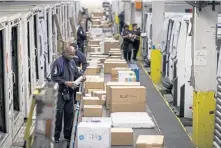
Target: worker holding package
136	43
128	39
64	72
81	36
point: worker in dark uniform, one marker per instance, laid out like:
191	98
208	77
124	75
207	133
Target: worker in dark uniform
136	43
121	21
80	60
81	36
128	39
64	72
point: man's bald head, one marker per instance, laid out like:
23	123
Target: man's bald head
69	52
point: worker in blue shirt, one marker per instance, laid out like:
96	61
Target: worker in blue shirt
81	36
64	72
136	43
128	39
80	60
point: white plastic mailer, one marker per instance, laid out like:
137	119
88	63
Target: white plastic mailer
132	120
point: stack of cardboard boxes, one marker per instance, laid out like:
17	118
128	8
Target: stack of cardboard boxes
121	93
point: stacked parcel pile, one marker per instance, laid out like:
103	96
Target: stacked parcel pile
114	102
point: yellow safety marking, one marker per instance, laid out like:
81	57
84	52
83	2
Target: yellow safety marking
204	105
139	50
155	65
168	105
27	135
116	19
130	27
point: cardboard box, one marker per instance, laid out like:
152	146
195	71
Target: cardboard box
111	44
114	72
94	83
150	141
90	91
94	135
95	49
99	94
92	70
109	84
108	65
94	42
78	96
126	76
114	49
115	57
92	110
127	99
121	136
92	101
87	95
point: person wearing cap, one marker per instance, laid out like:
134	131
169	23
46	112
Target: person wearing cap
136	43
127	43
64	72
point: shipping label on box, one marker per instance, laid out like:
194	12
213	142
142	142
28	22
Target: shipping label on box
109	84
97	120
128	99
94	135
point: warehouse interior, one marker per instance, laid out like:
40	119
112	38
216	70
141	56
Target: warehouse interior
170	97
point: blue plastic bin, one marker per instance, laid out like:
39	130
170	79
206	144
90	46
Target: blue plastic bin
136	70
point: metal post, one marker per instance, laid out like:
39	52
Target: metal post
203	77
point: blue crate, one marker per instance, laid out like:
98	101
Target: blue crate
136	70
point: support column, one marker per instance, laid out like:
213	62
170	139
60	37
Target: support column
127	12
157	28
204	56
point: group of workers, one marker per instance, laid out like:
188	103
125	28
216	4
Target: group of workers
131	41
65	71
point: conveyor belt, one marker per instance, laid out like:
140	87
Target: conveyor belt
175	135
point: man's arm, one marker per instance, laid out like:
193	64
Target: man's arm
56	73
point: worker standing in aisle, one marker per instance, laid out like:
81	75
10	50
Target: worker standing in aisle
136	43
64	72
128	39
81	36
80	60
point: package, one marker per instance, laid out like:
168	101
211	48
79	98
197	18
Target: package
94	49
94	42
92	70
78	96
136	70
127	99
94	135
150	141
114	57
92	90
97	120
114	72
92	101
111	44
126	76
98	93
115	53
94	83
121	136
132	120
92	110
108	65
116	84
115	49
92	46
